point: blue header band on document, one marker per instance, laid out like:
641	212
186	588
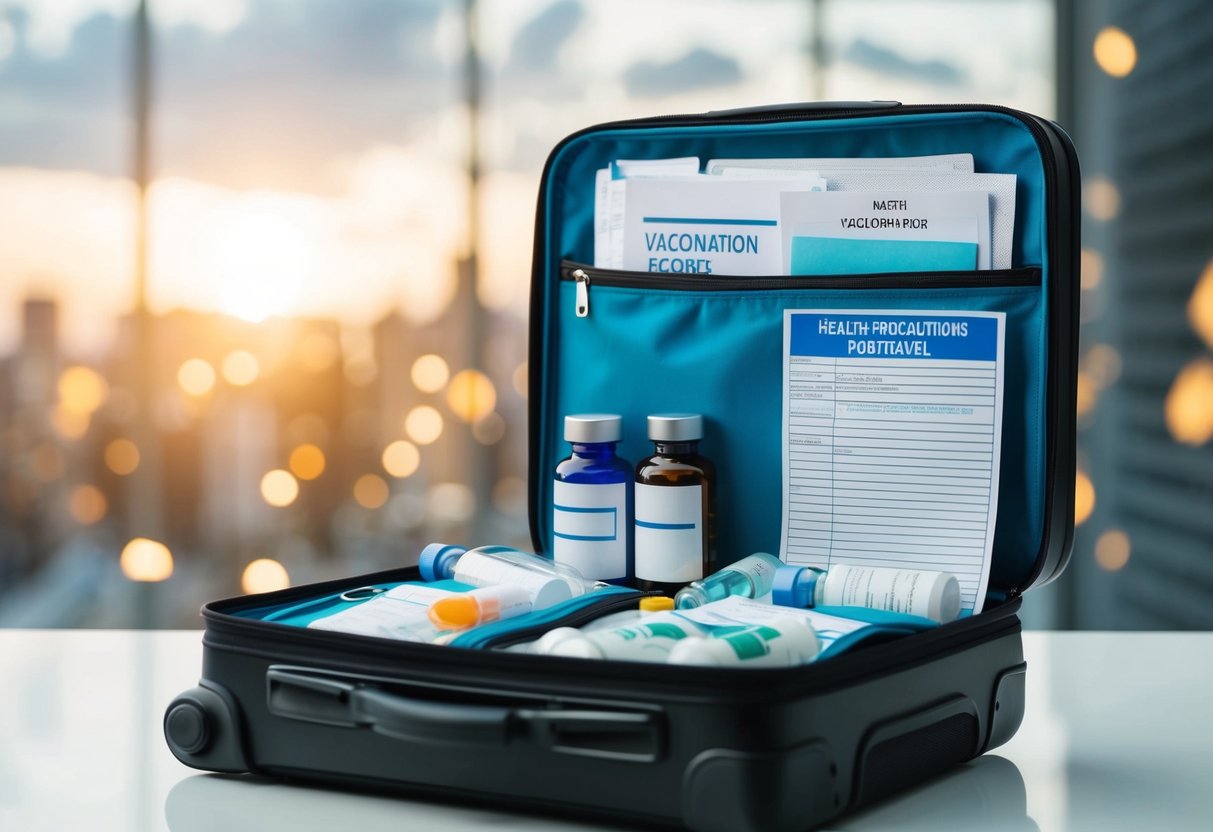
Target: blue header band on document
829	335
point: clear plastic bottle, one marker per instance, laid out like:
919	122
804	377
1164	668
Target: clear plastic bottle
934	595
592	500
675	506
547	582
785	644
749	577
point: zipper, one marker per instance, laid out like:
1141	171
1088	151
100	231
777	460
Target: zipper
583	290
581	275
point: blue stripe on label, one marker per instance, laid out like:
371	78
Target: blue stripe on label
710	221
664	526
602	519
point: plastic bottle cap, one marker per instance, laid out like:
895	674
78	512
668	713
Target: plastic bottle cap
431	560
793	586
593	427
675	427
656	603
455	613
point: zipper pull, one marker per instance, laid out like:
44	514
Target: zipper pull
583	292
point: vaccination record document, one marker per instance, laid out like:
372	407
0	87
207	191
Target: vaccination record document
892	425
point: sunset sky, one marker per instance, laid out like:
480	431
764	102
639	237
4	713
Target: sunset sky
309	154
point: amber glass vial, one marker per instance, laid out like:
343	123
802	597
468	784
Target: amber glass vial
675	504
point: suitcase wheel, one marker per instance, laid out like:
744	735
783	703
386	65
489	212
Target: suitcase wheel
202	729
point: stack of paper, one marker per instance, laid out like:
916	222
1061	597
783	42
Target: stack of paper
803	216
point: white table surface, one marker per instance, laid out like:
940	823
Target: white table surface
1118	735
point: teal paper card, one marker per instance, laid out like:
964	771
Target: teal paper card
836	255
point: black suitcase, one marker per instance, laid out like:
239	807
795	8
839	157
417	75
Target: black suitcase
708	749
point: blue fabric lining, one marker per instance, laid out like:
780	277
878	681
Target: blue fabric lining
644	351
479	636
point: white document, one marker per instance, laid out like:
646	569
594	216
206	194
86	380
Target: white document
917	216
622	169
1000	187
703	225
961	162
892	425
401	613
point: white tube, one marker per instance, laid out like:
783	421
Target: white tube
650	641
487	569
934	595
791	642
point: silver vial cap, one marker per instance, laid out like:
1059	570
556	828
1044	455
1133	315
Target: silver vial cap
675	427
593	427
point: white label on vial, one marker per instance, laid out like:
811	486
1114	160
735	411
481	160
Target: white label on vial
589	528
669	533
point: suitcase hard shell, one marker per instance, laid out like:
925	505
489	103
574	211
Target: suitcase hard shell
708	749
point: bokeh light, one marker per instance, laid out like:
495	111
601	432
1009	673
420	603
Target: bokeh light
241	368
1112	550
521	379
423	424
82	390
279	488
70	424
1087	395
1115	52
264	575
401	459
450	502
1101	198
122	457
1090	268
471	395
371	491
1103	363
1084	497
430	373
307	461
87	504
1200	307
196	377
1189	403
146	560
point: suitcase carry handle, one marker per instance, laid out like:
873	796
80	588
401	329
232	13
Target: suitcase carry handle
348	701
804	106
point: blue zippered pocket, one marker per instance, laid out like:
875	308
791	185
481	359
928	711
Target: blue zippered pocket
637	343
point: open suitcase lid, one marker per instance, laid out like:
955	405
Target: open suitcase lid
1034	530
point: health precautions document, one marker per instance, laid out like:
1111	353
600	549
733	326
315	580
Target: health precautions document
892	425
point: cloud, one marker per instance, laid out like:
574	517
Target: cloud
268	103
890	62
538	42
697	70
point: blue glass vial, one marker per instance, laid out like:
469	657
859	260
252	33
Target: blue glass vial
592	500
